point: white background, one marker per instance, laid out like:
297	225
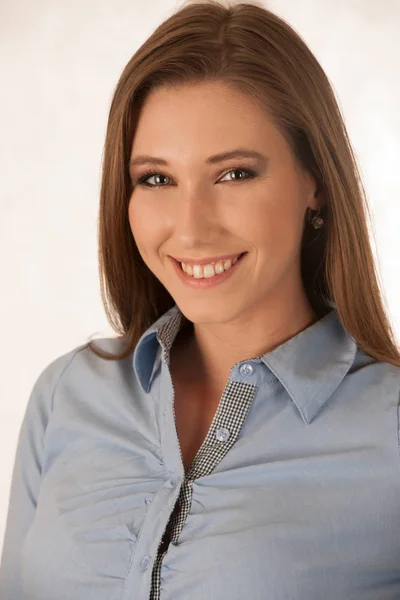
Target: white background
59	63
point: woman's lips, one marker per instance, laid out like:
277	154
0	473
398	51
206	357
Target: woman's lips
207	282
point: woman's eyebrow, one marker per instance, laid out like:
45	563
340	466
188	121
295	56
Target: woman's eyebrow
237	153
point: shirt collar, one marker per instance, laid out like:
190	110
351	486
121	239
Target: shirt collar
310	365
159	335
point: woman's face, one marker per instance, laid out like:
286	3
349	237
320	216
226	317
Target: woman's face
194	209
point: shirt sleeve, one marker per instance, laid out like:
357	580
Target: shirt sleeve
26	476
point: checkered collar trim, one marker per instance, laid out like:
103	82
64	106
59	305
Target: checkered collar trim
310	365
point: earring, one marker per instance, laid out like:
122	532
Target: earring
316	221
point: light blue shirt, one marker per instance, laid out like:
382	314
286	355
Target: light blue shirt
294	494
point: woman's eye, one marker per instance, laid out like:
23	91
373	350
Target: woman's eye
144	179
250	173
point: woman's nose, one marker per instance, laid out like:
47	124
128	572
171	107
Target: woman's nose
196	218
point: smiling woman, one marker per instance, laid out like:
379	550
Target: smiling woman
239	438
227	114
203	208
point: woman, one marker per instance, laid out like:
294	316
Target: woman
239	438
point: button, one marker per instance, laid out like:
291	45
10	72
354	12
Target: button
172	483
246	369
131	529
222	434
146	563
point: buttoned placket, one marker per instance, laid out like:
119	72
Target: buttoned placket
234	405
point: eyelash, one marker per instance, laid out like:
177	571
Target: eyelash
142	179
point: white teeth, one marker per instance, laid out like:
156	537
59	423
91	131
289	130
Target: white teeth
207	271
197	271
187	268
219	267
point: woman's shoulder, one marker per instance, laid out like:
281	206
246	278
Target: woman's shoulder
79	376
376	377
79	366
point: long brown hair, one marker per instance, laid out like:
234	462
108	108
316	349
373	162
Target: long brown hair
245	45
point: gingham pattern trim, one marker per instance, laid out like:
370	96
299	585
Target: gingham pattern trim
232	410
234	405
167	333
